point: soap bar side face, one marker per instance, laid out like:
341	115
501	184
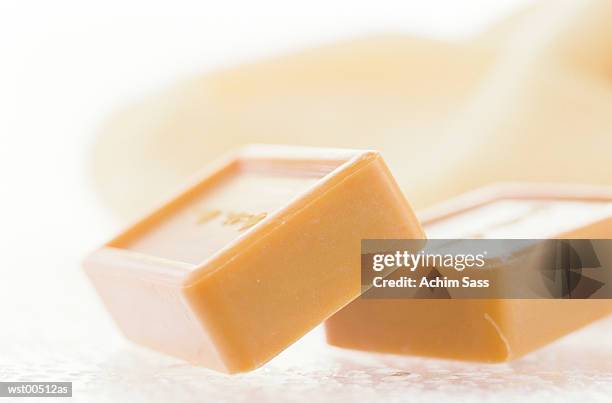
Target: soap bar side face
435	328
150	310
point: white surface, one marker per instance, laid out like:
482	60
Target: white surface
63	66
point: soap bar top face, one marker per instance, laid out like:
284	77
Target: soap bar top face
521	219
217	212
503	211
237	201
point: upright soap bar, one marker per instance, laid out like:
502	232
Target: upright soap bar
252	255
489	330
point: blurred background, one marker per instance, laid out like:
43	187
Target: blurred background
106	106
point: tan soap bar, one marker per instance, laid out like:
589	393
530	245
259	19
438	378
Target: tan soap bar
255	253
485	329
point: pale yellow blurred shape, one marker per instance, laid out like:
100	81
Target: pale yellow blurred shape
530	99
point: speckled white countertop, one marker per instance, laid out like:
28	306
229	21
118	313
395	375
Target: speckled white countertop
55	329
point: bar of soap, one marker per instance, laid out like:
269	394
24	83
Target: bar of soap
255	253
489	330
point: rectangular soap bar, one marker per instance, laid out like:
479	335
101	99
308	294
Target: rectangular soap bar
252	255
489	330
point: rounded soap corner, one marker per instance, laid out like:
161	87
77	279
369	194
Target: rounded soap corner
188	283
368	156
371	153
502	357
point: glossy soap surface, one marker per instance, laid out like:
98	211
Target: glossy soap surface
488	330
251	255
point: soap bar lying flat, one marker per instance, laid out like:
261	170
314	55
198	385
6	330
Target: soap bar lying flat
485	329
253	255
